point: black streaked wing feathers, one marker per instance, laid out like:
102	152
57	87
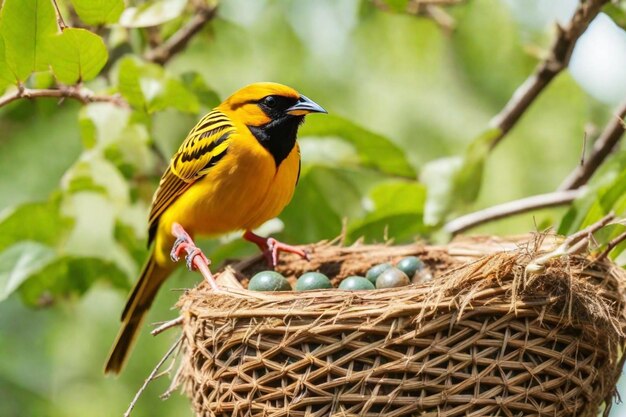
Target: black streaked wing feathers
205	146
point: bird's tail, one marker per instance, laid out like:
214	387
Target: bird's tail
144	291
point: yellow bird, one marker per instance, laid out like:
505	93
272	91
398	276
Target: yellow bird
237	168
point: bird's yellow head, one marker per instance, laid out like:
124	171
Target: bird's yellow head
262	103
272	112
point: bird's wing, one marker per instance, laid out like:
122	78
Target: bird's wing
205	145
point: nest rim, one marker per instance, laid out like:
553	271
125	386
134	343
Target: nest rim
454	293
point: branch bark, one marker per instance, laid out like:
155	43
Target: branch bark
557	60
511	208
60	22
81	94
602	148
179	40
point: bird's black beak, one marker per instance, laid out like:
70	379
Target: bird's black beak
305	106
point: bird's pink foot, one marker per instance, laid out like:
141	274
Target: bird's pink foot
272	247
195	259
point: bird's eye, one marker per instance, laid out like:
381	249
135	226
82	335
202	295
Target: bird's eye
270	101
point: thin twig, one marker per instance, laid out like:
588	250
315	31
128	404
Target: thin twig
179	40
602	148
511	208
583	152
439	16
436	2
550	67
167	325
81	94
571	239
612	244
431	9
151	377
60	21
573	244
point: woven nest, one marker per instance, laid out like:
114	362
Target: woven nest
482	337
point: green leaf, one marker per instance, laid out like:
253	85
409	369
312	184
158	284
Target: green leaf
617	12
128	83
68	276
309	217
618	254
398	212
583	207
439	176
374	150
468	179
26	26
98	175
134	147
38	222
152	13
456	181
134	245
19	262
6	77
397	5
609	198
97	12
195	83
606	193
607	233
348	202
101	124
149	88
77	55
42	80
175	95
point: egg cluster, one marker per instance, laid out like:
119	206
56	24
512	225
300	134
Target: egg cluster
379	276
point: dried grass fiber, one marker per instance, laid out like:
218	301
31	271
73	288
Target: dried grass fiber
482	338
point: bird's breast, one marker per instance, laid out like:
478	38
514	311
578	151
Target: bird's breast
241	192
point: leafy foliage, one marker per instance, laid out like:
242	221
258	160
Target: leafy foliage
148	87
373	150
152	13
606	194
617	11
76	55
26	27
397	212
454	182
6	76
98	12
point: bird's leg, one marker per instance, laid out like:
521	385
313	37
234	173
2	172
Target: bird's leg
195	259
271	247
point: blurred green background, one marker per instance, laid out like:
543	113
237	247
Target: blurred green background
76	181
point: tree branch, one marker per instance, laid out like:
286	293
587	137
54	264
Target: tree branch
550	67
81	94
523	205
60	22
575	243
167	325
179	40
602	148
153	375
612	244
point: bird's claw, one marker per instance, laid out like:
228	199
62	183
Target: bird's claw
178	248
184	243
274	247
189	259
